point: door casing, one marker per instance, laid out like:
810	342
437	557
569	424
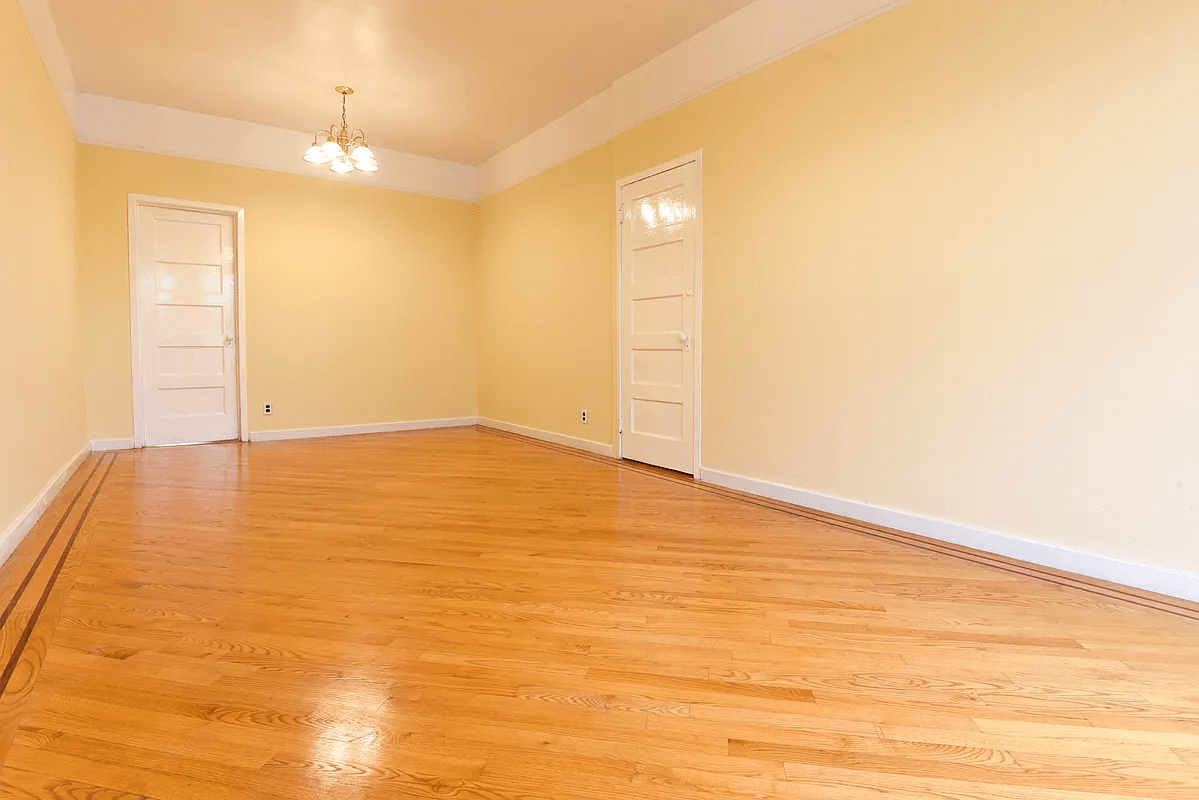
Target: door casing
137	202
697	337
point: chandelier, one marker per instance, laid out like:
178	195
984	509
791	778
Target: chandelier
344	151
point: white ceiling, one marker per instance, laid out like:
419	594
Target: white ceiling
452	79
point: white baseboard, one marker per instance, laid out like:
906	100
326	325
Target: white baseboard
15	532
547	436
358	430
1142	576
104	445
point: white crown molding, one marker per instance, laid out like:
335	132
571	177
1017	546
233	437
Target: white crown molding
747	40
585	126
1141	576
128	125
137	126
751	38
41	26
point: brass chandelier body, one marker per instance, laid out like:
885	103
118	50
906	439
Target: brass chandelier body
339	147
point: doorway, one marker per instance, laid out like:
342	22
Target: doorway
187	322
659	313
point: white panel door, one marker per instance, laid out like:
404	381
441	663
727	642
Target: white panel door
187	325
658	251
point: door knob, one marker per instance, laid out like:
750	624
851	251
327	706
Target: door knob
685	338
229	340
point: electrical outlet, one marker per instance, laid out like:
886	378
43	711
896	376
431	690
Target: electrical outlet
267	409
584	416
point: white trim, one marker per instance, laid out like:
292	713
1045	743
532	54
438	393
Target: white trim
44	32
105	445
135	326
747	40
169	131
585	445
243	388
697	336
359	430
1141	576
24	523
743	42
238	215
667	166
585	126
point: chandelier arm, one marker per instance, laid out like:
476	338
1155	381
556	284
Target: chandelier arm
344	140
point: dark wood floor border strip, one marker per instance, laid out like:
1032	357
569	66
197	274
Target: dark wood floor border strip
1058	577
1127	594
37	562
1112	591
19	649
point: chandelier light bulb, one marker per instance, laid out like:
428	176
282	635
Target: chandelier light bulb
316	155
339	147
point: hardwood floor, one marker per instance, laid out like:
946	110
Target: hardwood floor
462	614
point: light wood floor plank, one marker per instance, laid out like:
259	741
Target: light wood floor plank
459	613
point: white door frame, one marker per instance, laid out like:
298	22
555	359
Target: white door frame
697	336
137	201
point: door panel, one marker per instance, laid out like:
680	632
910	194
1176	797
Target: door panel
658	251
187	325
658	367
658	263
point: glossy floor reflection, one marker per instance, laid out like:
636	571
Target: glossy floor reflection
461	614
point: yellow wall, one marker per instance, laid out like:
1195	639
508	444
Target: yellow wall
951	267
42	421
359	301
545	300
